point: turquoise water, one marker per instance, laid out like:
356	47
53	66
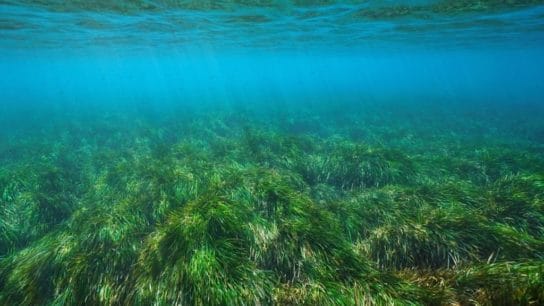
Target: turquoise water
258	152
233	50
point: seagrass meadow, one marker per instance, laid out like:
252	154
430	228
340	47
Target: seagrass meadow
286	207
259	152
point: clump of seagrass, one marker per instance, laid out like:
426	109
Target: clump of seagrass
433	227
349	166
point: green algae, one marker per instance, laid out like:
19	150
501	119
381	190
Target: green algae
223	208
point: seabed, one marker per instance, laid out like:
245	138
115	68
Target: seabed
371	206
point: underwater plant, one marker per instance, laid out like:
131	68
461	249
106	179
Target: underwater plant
219	208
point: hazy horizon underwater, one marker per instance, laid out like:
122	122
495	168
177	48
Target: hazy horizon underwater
259	152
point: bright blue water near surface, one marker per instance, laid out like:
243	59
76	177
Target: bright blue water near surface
171	51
